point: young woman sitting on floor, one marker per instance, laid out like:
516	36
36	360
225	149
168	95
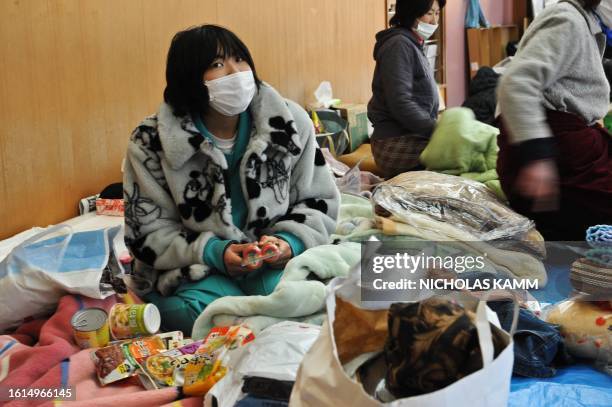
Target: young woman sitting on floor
225	162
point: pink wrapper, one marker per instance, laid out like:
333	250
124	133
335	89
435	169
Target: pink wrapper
109	207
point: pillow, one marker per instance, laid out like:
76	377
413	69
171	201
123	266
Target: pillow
586	328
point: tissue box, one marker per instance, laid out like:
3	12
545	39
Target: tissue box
109	207
357	117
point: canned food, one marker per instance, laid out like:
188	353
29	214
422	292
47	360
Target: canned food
132	320
90	327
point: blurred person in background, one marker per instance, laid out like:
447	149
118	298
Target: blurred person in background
554	161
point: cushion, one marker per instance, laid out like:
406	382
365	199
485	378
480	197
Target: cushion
364	152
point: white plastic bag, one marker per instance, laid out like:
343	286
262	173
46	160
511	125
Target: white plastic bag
322	381
276	353
325	95
37	272
278	350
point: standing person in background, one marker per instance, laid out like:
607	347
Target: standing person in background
404	104
554	161
224	163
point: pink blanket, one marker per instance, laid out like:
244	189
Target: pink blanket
43	354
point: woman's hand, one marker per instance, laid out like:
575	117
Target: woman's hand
283	246
232	257
539	181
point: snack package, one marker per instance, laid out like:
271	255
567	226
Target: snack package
109	207
166	368
231	337
209	364
174	344
122	359
204	371
173	339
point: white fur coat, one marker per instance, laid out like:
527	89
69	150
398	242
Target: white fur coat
176	197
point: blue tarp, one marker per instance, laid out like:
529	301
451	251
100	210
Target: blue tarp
574	386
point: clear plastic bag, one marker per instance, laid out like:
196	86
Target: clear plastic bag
358	182
445	199
350	183
337	168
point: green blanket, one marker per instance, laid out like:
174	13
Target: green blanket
461	145
355	220
298	296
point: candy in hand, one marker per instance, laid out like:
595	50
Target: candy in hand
251	257
270	252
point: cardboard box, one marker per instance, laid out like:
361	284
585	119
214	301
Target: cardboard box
357	117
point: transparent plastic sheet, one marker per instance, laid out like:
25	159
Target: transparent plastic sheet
350	183
458	202
357	182
338	168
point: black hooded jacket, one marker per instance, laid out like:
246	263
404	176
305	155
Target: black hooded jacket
404	92
482	98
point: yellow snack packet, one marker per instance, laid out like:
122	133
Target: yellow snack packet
209	364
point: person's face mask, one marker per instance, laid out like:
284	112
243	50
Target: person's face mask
604	11
425	30
232	94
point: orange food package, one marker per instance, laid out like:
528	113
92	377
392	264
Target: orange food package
166	369
209	365
122	359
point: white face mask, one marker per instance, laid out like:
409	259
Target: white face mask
232	94
604	11
426	30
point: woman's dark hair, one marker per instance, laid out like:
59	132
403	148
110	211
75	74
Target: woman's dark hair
191	53
408	11
591	4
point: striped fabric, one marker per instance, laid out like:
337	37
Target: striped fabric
592	278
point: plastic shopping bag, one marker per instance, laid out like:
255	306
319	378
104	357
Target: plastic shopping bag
37	272
275	354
